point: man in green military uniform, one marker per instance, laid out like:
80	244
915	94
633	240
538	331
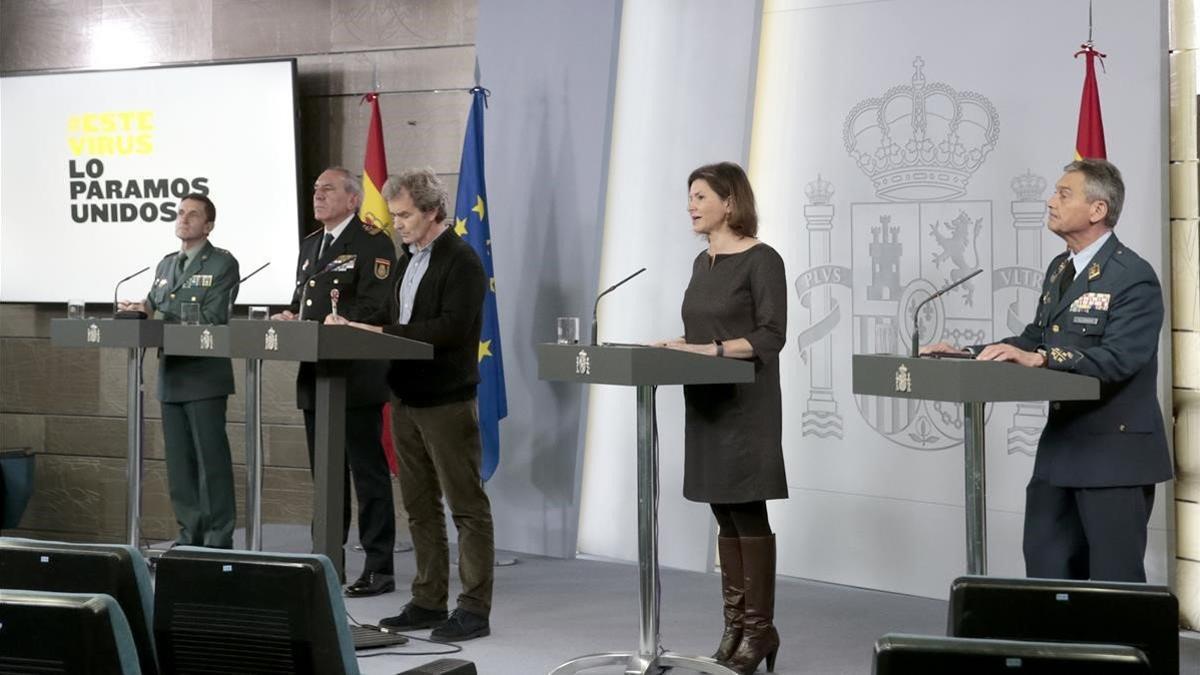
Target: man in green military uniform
194	390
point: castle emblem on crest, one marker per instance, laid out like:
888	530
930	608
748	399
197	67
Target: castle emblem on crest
583	365
206	340
93	334
271	340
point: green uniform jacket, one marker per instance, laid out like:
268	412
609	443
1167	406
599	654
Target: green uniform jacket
211	280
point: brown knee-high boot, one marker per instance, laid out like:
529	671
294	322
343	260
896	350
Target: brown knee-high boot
760	640
729	550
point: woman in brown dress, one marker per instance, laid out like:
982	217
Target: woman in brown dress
735	307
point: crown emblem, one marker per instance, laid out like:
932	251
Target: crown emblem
819	191
1029	187
921	141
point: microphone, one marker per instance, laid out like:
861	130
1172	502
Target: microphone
916	339
233	293
139	315
608	290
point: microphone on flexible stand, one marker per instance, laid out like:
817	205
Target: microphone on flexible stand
916	339
233	293
127	314
608	290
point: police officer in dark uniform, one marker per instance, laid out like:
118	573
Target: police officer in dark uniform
194	390
351	263
1089	501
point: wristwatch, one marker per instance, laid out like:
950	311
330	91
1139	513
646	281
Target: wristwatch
720	348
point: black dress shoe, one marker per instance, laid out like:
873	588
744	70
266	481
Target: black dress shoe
412	617
371	583
462	625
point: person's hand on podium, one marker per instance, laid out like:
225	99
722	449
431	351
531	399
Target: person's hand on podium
1006	352
338	320
132	306
942	348
285	315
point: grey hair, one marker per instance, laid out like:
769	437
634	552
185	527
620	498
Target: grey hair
1102	182
423	185
350	182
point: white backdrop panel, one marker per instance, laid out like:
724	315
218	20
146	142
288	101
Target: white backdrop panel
92	165
685	79
877	484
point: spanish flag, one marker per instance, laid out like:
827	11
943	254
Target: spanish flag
1089	139
374	210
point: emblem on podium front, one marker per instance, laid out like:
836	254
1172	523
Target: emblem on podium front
206	340
93	334
271	340
903	379
583	365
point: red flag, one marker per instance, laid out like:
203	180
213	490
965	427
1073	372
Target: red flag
1089	139
373	210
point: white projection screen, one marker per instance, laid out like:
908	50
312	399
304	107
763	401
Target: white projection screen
92	165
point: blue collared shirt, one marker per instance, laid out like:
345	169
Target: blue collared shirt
1081	259
412	279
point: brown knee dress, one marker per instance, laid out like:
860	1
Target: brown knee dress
733	435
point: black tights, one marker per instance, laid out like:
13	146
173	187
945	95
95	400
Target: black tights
748	519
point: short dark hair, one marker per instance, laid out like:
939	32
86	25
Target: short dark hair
1102	182
210	209
729	180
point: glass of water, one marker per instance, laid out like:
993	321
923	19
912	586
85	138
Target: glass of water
189	313
258	313
567	329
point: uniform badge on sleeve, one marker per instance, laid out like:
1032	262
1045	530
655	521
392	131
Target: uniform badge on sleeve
382	267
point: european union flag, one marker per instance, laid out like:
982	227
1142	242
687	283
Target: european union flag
471	223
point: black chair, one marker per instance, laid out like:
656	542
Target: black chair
116	570
897	654
78	633
221	611
1055	610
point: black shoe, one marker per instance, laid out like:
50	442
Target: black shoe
371	583
462	625
412	617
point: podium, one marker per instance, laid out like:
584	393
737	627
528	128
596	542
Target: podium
643	368
217	341
971	383
135	337
330	347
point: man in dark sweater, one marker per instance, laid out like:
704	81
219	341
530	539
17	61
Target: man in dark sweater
439	291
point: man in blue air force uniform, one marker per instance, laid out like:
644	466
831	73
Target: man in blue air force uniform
1101	310
194	390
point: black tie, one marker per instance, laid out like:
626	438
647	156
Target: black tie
180	265
325	244
1065	278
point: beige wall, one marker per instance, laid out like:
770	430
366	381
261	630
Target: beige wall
1185	305
69	405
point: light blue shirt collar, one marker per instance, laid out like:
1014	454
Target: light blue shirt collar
1081	259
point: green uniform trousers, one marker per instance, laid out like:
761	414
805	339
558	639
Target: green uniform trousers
439	453
200	471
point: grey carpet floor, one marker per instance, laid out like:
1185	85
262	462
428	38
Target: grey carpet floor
547	611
